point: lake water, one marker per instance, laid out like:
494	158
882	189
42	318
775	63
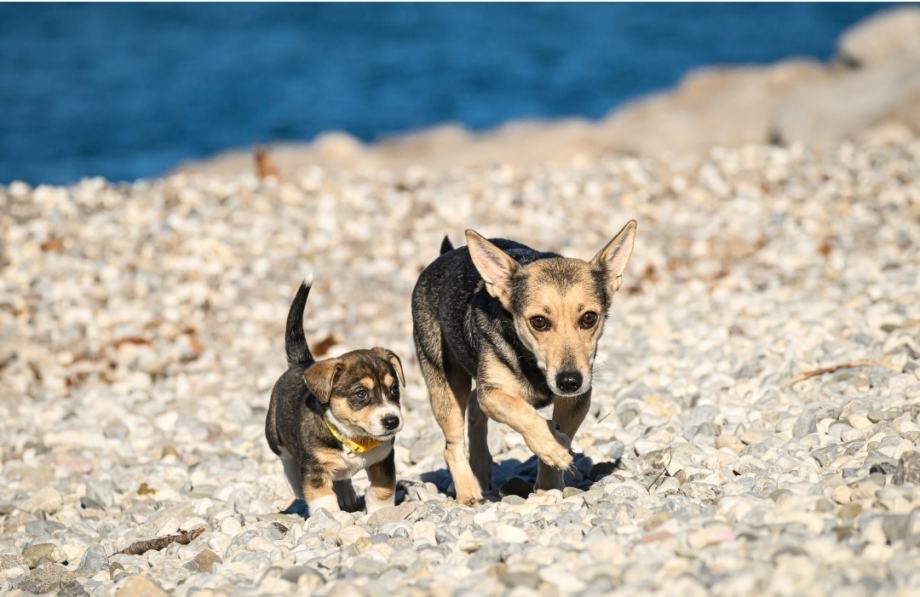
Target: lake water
129	91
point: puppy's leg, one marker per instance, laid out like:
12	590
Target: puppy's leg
382	492
317	489
568	413
292	472
345	492
449	395
541	436
478	433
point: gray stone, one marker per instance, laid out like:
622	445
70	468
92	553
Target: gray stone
908	470
46	578
805	424
94	559
101	492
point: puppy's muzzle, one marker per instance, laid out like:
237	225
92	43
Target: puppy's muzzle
390	422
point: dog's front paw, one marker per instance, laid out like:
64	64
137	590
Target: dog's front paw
556	456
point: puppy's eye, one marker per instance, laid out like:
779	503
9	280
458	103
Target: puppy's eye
361	395
588	320
539	323
394	392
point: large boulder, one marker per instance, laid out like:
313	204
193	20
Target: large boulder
889	35
711	107
840	107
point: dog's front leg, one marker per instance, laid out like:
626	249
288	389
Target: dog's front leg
568	413
318	493
345	491
541	436
382	492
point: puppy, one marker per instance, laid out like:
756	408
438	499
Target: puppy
525	325
329	419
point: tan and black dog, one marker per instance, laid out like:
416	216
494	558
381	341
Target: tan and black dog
525	325
329	419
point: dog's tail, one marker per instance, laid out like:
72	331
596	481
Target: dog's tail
295	342
446	245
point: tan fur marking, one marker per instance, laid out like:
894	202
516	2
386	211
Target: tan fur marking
312	493
506	405
448	403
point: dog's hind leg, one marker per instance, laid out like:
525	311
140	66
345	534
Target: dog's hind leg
449	396
480	457
568	413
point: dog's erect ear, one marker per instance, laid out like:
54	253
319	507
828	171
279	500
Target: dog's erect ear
394	360
494	265
321	376
615	255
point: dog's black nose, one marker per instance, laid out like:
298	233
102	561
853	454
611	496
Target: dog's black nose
568	381
390	422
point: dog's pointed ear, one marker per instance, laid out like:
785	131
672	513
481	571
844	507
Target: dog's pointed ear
390	356
320	378
494	265
614	256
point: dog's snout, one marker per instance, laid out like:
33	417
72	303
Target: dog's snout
390	422
568	381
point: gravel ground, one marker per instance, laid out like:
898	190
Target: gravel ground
141	331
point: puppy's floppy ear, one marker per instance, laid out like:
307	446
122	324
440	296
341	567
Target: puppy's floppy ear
614	256
394	360
494	265
320	377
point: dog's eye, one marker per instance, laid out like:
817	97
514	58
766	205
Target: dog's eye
539	323
360	395
394	392
588	320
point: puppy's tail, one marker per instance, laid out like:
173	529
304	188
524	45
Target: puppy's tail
446	245
295	342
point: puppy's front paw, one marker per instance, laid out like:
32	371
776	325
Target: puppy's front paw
329	503
375	503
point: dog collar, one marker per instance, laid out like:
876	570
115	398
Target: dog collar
358	447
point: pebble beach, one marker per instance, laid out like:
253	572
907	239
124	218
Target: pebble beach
755	427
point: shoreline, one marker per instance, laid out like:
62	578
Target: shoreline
870	89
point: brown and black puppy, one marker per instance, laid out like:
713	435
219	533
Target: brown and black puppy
525	325
329	419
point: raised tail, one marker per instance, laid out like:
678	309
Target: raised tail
446	245
295	342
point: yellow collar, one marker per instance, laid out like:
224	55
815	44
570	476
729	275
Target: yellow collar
358	447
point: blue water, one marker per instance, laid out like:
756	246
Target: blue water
129	91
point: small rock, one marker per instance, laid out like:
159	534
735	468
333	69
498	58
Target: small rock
46	579
140	586
43	552
48	500
908	470
204	561
806	424
94	560
392	513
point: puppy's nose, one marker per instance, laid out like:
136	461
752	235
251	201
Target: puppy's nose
568	381
390	422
